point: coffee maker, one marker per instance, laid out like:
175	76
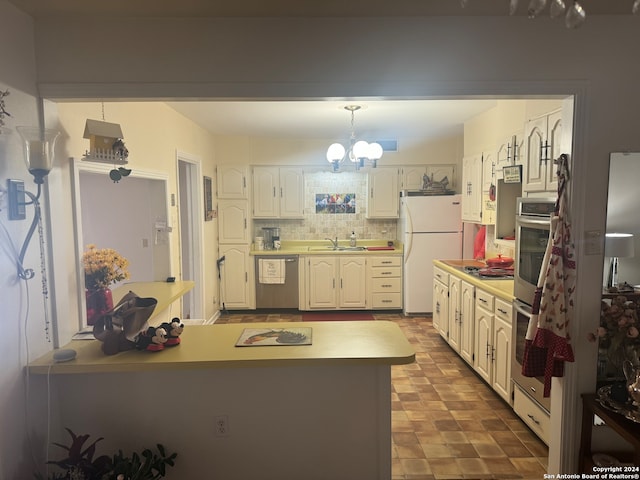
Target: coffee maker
271	238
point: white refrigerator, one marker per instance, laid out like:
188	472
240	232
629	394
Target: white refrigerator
431	229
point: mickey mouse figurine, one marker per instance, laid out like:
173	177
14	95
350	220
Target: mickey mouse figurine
173	329
152	340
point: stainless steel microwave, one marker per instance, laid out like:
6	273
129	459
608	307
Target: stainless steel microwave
533	223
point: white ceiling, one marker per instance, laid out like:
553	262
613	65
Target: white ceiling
376	120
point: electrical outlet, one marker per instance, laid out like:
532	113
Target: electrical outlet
221	423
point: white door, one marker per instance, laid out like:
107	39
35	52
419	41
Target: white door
191	217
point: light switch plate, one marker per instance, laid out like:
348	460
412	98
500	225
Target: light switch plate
593	242
17	205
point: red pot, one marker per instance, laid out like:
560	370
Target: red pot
499	262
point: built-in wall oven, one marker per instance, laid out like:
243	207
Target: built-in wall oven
533	223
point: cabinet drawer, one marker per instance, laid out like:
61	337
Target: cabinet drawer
383	285
386	300
441	275
503	310
484	299
382	272
534	416
379	261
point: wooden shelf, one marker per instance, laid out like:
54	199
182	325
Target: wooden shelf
624	427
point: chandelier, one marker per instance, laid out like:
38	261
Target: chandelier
358	152
574	15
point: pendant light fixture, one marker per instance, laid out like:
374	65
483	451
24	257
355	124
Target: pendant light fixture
358	152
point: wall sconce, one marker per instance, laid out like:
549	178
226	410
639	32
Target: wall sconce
617	245
38	146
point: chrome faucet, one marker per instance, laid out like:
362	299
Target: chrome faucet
334	243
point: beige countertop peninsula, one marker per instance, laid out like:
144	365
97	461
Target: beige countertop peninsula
500	288
213	346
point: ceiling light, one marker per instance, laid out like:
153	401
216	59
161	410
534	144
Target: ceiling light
358	152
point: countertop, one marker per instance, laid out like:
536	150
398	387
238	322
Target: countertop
213	346
165	292
323	247
500	288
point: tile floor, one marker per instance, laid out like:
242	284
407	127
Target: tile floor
446	422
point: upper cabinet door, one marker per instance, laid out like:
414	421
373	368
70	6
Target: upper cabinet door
472	188
266	192
232	181
383	198
505	154
534	170
413	177
278	192
291	193
488	170
542	146
554	129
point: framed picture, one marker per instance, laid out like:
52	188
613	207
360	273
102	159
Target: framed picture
208	199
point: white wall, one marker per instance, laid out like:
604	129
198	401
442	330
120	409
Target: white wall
153	133
339	57
22	307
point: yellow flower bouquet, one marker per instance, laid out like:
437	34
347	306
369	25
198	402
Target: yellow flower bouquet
102	267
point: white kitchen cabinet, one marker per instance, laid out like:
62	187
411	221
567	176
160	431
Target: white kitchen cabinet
489	179
440	317
472	188
413	177
467	321
461	314
453	335
509	152
352	291
231	181
383	200
278	192
233	225
502	349
488	169
505	154
542	147
237	278
384	277
482	362
336	282
492	359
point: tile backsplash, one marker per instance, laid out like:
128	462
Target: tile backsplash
317	226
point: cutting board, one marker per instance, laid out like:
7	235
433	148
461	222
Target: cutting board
380	248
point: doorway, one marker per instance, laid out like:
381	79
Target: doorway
191	213
123	216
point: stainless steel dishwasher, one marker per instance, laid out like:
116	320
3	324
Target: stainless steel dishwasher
278	295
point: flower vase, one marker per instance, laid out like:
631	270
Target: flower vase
98	302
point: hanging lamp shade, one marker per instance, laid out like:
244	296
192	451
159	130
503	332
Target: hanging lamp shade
38	148
335	152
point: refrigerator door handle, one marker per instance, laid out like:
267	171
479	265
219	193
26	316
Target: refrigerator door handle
409	233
